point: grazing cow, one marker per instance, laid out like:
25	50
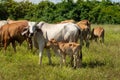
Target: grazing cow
67	32
85	26
29	41
10	33
67	21
72	49
97	33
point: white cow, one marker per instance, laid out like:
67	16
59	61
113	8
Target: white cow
43	32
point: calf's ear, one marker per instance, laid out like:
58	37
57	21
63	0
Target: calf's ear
24	31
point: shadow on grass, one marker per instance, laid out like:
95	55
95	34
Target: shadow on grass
93	64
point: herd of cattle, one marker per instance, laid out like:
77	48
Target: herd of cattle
61	37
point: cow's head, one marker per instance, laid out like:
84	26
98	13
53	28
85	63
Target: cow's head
32	28
25	31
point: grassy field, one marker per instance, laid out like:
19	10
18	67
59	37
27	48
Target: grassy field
100	62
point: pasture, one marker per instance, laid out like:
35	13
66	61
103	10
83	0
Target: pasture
100	62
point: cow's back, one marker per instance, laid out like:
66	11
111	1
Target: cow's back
60	32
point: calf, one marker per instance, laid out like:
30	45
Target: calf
70	48
98	33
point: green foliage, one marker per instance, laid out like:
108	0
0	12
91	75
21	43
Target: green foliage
101	12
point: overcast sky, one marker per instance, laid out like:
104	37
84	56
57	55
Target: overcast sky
56	1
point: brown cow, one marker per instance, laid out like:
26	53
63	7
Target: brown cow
97	33
29	40
10	33
85	27
70	48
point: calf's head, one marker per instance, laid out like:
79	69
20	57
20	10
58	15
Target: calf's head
52	43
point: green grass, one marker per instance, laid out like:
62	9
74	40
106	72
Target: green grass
100	62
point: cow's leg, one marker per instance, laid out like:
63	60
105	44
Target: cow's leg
74	56
29	43
14	46
49	56
6	43
80	58
81	38
41	47
71	61
87	42
64	59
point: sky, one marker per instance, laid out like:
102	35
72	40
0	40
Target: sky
56	1
37	1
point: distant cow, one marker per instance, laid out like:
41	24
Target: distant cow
10	33
98	33
43	32
72	49
86	29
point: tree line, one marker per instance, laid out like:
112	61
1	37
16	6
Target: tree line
97	12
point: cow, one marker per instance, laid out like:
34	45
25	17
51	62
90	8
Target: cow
43	32
98	33
72	49
10	33
86	30
29	41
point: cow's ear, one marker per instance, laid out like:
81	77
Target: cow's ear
39	25
24	31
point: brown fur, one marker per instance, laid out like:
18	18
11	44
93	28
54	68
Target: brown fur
13	21
12	32
70	48
97	33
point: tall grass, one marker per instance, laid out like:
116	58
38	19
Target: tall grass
100	62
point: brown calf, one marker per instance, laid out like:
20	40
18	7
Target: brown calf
10	33
98	33
70	48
